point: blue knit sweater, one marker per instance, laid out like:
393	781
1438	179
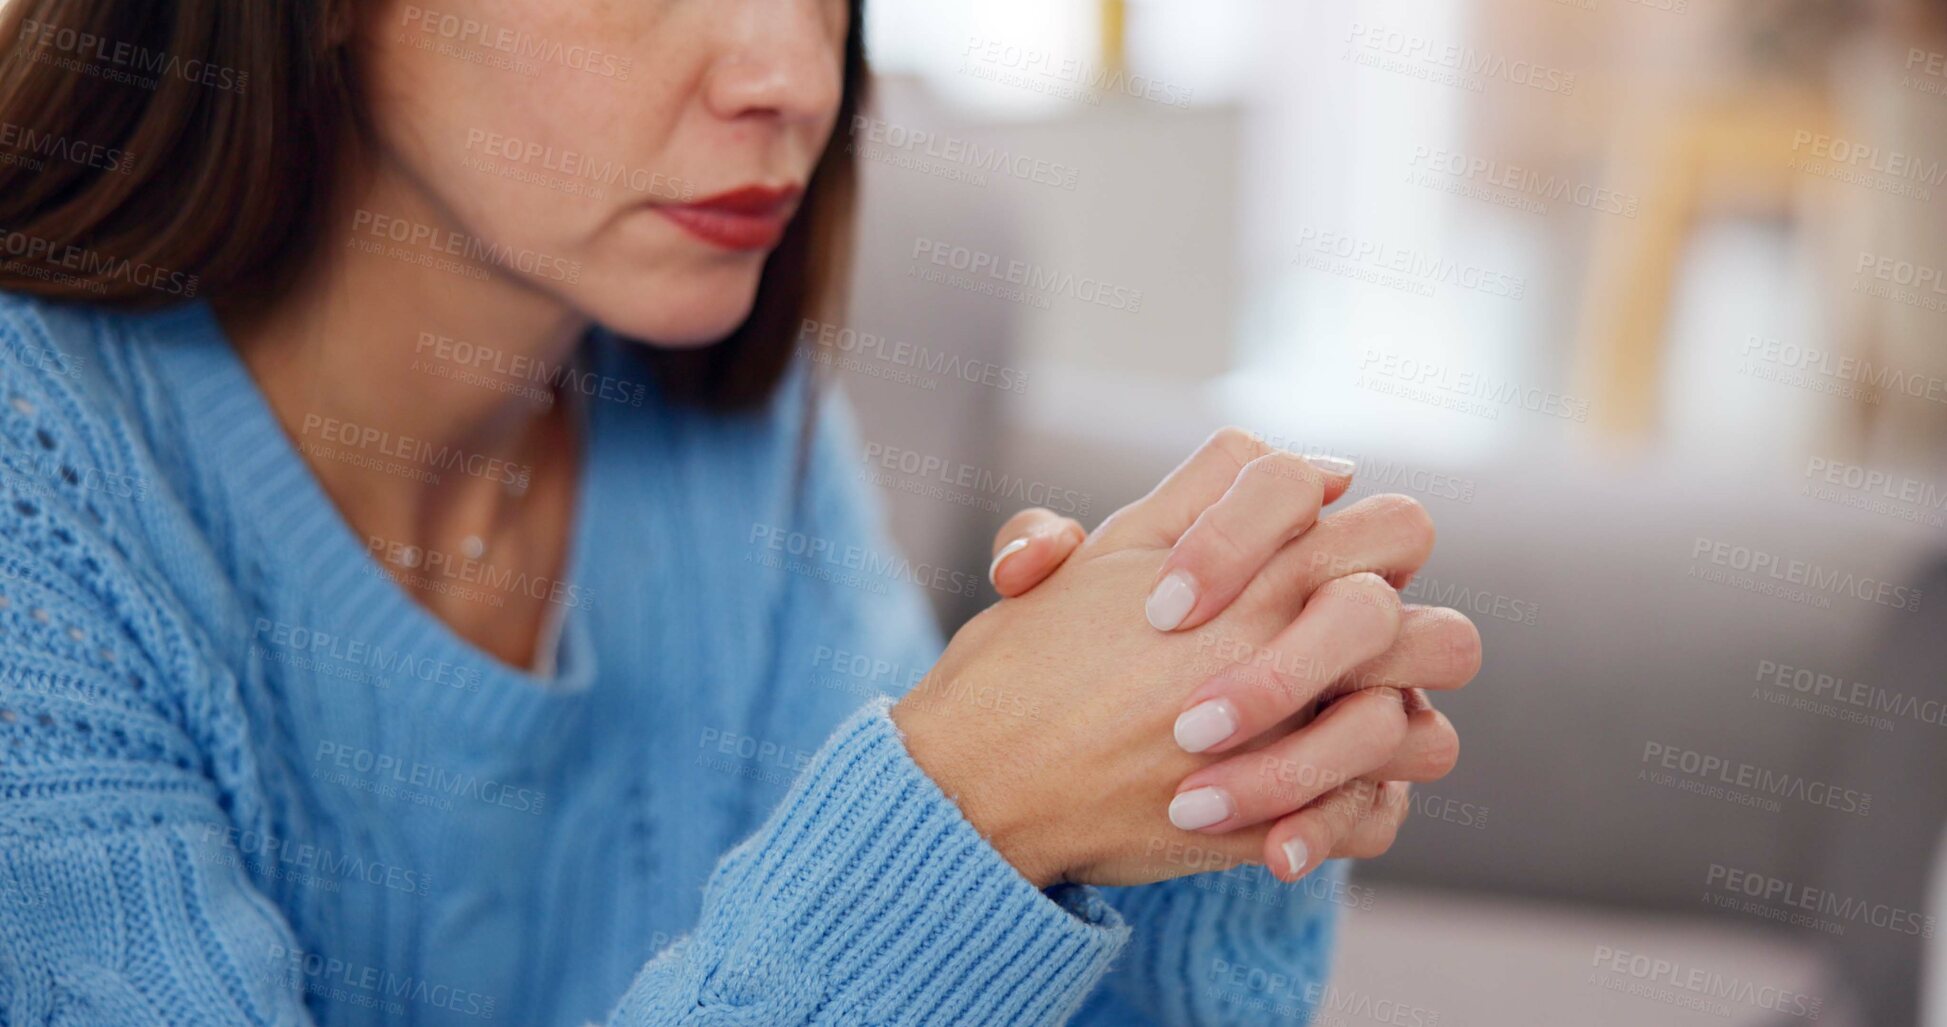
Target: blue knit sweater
246	779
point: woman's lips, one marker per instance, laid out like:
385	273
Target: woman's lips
750	217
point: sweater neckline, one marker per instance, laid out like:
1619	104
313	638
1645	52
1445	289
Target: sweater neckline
300	536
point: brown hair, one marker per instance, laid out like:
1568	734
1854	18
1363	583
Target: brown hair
195	142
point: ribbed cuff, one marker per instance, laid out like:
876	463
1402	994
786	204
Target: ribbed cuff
882	900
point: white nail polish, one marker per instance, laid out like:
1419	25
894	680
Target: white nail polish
1205	724
1170	602
1006	551
1295	855
1333	465
1201	807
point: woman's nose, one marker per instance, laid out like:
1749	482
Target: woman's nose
781	59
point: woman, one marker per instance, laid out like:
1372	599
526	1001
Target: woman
386	643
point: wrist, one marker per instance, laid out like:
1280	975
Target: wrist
959	765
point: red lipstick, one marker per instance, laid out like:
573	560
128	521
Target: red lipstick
750	217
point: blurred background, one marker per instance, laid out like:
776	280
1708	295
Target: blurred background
1645	300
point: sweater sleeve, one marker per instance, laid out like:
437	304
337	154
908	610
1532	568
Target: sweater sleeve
115	751
868	899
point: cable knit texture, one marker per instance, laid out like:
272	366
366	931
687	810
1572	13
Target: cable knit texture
246	779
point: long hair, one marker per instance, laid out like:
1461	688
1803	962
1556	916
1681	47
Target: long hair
198	144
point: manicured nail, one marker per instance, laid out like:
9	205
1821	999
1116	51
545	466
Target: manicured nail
1171	601
1006	551
1200	807
1295	856
1336	466
1205	724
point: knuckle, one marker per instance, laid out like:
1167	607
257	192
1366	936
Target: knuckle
1388	717
1285	781
1414	699
1211	541
1113	526
1286	686
1443	752
1433	747
1379	828
1239	445
1302	484
1392	804
1410	518
1328	560
1354	587
1459	644
1369	591
1344	810
1383	838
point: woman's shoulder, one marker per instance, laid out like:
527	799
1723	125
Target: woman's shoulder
107	654
52	358
68	428
43	342
81	489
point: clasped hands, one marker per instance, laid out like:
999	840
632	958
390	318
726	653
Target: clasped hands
1220	662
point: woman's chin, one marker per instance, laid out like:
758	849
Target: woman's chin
689	323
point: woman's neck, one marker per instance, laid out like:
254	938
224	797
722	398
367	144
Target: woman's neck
417	385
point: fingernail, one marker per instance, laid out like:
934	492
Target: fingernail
1295	856
1205	724
1006	551
1200	807
1170	602
1332	465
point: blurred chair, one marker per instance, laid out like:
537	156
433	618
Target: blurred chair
1725	155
